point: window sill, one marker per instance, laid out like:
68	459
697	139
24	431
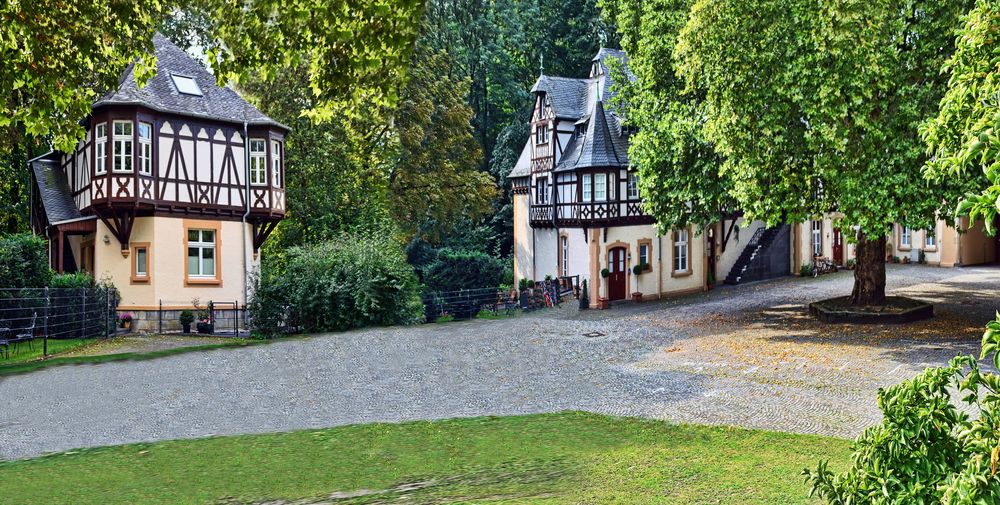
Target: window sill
202	282
676	273
139	280
906	248
930	249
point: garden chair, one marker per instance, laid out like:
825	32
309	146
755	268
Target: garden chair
5	339
25	335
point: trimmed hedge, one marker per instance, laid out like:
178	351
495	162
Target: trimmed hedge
355	280
454	269
24	261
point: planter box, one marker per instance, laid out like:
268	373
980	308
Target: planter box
637	297
206	328
602	303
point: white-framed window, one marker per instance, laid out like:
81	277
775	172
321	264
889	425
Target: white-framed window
541	191
122	150
201	253
633	186
276	163
564	251
258	162
542	134
929	239
600	187
817	238
186	85
587	188
612	185
681	251
142	261
145	148
101	146
905	237
644	255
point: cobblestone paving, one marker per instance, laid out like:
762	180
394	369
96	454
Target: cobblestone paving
745	356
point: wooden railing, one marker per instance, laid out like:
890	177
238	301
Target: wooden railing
610	213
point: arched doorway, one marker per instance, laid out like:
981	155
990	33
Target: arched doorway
617	267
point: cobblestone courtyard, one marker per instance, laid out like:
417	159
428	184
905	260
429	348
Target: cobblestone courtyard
745	356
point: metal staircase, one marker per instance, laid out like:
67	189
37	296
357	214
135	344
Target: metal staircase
764	257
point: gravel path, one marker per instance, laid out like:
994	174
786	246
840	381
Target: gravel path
743	355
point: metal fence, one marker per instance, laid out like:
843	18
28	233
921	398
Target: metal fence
58	313
468	303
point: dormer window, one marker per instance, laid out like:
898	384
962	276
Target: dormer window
186	85
542	134
258	162
122	147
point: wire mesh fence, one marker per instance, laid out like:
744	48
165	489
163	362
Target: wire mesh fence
468	303
27	314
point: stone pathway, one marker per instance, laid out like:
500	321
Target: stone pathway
745	356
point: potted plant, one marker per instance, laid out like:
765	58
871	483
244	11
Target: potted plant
602	302
205	325
187	317
637	271
523	286
125	321
585	297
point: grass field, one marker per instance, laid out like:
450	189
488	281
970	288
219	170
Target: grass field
56	346
553	458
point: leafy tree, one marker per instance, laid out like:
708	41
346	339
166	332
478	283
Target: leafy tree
24	261
816	110
965	135
678	166
456	269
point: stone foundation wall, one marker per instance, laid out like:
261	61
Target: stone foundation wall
149	321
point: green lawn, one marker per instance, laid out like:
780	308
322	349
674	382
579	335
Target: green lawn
553	458
24	353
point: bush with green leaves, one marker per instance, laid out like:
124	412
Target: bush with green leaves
926	450
24	261
74	280
455	269
355	280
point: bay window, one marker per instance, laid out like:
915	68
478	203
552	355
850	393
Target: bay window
587	189
600	187
276	163
145	148
633	186
101	146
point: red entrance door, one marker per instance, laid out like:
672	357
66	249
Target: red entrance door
838	247
616	281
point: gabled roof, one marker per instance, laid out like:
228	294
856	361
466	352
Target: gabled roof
160	93
600	145
53	190
567	96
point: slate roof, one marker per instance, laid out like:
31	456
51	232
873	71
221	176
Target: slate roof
567	96
53	189
160	94
523	166
600	145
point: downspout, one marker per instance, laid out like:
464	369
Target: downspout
246	213
659	265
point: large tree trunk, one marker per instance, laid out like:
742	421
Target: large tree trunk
869	272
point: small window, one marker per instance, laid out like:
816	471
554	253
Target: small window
258	162
633	186
101	145
122	146
186	85
140	263
145	148
201	254
644	255
542	134
817	238
587	187
276	163
542	191
930	240
564	245
681	251
905	237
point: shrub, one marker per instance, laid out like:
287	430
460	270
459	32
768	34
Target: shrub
605	272
524	284
806	270
74	280
186	317
639	269
24	261
355	280
454	269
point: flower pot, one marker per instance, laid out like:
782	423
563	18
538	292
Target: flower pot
637	297
602	303
524	300
206	328
127	325
186	327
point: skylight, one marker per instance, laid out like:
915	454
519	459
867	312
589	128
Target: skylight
186	85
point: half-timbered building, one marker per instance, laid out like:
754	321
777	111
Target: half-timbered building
171	193
578	209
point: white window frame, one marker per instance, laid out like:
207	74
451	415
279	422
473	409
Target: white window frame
588	191
564	245
905	237
123	146
145	252
542	134
681	260
930	240
276	163
258	162
541	191
101	148
145	149
817	238
644	255
201	245
600	187
633	186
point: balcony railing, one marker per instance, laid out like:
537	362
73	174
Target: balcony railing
577	214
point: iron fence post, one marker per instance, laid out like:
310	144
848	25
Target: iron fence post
45	326
107	310
159	318
83	312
